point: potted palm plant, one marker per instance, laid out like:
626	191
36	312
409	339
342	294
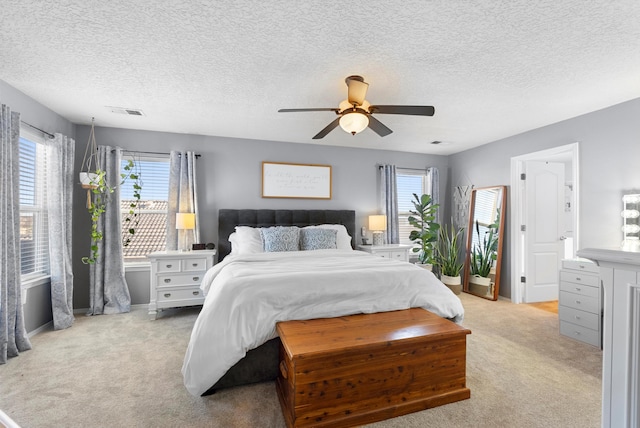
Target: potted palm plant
446	256
426	229
482	256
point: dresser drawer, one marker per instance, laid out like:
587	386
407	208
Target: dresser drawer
580	333
172	280
169	265
579	278
581	289
582	318
178	294
580	265
190	265
577	301
398	255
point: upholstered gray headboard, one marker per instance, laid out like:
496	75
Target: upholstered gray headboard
228	219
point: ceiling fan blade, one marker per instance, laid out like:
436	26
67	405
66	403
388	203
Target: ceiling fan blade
411	110
357	89
330	127
378	127
289	110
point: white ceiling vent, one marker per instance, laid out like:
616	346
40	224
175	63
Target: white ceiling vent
127	111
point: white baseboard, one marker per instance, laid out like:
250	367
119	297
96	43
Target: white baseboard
6	421
47	326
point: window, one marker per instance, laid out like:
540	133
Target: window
408	182
34	232
151	230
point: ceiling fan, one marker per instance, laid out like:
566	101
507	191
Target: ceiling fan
355	113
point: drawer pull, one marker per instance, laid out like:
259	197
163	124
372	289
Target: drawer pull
195	293
196	278
169	266
195	264
578	302
167	295
283	369
577	333
581	266
578	288
577	317
578	278
167	280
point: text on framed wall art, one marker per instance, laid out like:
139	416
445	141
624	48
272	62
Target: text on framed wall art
291	180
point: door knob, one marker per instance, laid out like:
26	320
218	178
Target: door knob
562	238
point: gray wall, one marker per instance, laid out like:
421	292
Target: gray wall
229	176
609	151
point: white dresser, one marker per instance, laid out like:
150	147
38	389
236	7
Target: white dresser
176	277
620	274
580	301
389	251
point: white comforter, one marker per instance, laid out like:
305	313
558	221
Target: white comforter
247	295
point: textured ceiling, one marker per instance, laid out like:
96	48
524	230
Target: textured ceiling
491	68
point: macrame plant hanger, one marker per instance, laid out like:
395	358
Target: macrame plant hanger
90	168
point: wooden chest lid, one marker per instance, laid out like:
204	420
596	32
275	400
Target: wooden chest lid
324	335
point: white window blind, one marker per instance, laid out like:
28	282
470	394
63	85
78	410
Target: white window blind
151	229
485	211
34	232
407	183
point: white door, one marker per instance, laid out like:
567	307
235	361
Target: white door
544	208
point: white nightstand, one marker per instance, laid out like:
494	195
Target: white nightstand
176	277
390	251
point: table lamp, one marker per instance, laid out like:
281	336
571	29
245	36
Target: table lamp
378	224
184	221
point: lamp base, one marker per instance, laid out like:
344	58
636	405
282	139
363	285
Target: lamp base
378	238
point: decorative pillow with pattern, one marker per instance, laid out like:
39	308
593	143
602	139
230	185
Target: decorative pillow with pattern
280	238
318	239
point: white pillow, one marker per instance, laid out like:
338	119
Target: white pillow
343	239
246	240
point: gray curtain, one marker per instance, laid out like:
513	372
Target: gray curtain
109	292
13	335
183	198
433	187
60	157
389	202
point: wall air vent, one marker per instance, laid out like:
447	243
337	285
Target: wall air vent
127	111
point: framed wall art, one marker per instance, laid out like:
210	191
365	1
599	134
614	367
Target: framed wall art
292	180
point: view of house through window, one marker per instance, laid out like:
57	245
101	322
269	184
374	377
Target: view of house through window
34	232
408	182
151	229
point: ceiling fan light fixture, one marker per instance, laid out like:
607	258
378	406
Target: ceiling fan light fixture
354	122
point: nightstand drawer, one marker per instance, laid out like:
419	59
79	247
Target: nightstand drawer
577	301
580	333
169	265
179	279
179	294
398	255
194	265
581	289
579	278
580	265
575	316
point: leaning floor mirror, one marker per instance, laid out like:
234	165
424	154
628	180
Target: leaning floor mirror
484	241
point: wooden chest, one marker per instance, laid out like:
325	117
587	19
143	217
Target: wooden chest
363	368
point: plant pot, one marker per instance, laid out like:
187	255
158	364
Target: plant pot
88	180
453	282
479	285
427	266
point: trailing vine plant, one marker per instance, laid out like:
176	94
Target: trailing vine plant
132	216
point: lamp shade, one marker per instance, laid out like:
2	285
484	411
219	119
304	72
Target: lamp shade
354	122
377	222
185	221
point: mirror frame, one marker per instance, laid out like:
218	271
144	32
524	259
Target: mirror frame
498	266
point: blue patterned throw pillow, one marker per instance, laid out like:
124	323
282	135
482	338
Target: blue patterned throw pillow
318	239
280	238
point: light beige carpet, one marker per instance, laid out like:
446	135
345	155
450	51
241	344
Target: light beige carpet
124	371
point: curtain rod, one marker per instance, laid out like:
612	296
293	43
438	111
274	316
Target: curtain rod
150	153
38	129
411	169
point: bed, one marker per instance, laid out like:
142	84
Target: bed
229	346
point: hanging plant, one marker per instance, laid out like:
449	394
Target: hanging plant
132	216
96	208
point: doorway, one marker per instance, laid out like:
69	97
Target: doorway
536	264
